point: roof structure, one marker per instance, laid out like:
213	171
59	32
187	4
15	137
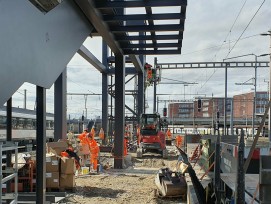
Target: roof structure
137	27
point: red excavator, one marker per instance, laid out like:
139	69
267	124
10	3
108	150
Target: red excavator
151	136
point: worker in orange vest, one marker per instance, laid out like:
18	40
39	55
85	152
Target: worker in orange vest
138	135
83	135
125	148
101	134
179	141
94	151
169	134
92	131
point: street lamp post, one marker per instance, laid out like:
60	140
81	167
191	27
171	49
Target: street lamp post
255	85
269	113
184	90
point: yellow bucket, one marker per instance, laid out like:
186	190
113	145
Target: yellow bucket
85	170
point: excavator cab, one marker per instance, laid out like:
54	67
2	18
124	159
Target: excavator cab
151	136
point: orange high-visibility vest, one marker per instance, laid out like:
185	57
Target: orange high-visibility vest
101	134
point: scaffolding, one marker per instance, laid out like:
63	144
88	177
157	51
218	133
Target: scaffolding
9	173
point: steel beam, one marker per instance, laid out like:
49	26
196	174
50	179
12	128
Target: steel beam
152	52
9	138
41	141
198	65
146	28
128	71
240	187
130	4
149	37
140	96
87	55
151	45
105	92
119	111
143	17
137	63
60	104
95	18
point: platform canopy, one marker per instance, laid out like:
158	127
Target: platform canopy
138	27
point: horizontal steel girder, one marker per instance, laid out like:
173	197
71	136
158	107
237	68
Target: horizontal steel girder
197	65
133	17
87	55
95	18
153	52
128	71
151	45
146	28
149	37
130	4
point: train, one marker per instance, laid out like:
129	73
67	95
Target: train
24	124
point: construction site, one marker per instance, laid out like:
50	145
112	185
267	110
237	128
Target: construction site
135	101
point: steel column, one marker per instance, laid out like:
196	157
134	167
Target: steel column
154	85
105	92
9	137
240	187
140	95
41	142
217	169
231	122
60	103
225	100
119	111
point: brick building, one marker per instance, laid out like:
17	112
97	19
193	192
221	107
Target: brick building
243	104
209	108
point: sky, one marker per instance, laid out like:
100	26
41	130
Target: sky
214	30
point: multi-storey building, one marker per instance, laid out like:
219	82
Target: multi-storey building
209	108
243	104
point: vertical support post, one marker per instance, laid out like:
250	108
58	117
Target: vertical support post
269	113
119	111
154	85
60	105
231	124
9	137
25	99
254	98
41	141
105	93
217	169
225	99
240	187
140	96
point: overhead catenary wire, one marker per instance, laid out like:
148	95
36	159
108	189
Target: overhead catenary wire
246	28
235	42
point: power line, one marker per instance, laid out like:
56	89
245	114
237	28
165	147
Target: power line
231	28
81	86
245	28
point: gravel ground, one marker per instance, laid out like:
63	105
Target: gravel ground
132	185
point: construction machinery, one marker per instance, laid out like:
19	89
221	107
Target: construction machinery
151	137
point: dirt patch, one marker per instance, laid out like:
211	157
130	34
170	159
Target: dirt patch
123	186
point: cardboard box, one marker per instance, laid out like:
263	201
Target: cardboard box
52	163
67	180
67	165
83	149
56	147
20	187
52	180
